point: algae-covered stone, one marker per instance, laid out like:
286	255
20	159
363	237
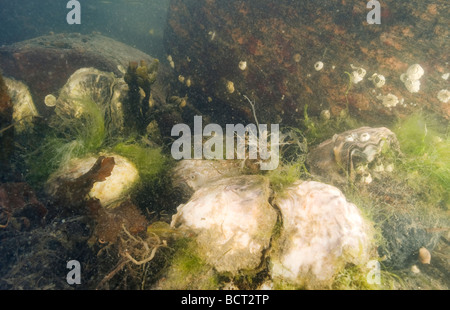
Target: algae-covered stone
322	232
232	220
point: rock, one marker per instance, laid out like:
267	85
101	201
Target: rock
232	221
404	236
322	232
281	43
45	63
19	204
110	222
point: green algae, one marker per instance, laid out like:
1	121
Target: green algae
67	138
426	164
187	270
149	161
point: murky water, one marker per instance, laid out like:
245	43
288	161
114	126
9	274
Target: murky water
224	145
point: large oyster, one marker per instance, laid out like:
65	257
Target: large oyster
191	174
349	153
232	220
103	88
23	105
110	192
321	233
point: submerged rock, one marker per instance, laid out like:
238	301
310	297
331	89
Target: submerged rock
232	221
272	37
45	63
322	232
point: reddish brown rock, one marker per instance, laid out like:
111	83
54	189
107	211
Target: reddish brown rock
45	63
207	39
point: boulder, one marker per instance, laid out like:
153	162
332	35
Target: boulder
323	54
45	63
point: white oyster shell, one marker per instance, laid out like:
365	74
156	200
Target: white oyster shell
232	221
23	105
322	232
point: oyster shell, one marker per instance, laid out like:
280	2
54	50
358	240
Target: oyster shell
338	157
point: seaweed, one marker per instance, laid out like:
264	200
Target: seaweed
317	130
148	160
67	137
187	270
139	79
426	144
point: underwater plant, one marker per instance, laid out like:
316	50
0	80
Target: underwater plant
426	144
67	138
188	270
317	129
149	161
139	79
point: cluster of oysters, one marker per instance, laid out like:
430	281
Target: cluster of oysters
233	215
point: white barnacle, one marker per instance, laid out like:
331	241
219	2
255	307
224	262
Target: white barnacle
364	137
411	78
443	95
389	100
325	115
318	66
366	178
378	80
414	72
350	138
242	65
389	167
358	74
413	86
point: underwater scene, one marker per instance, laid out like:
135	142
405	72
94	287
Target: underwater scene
224	145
